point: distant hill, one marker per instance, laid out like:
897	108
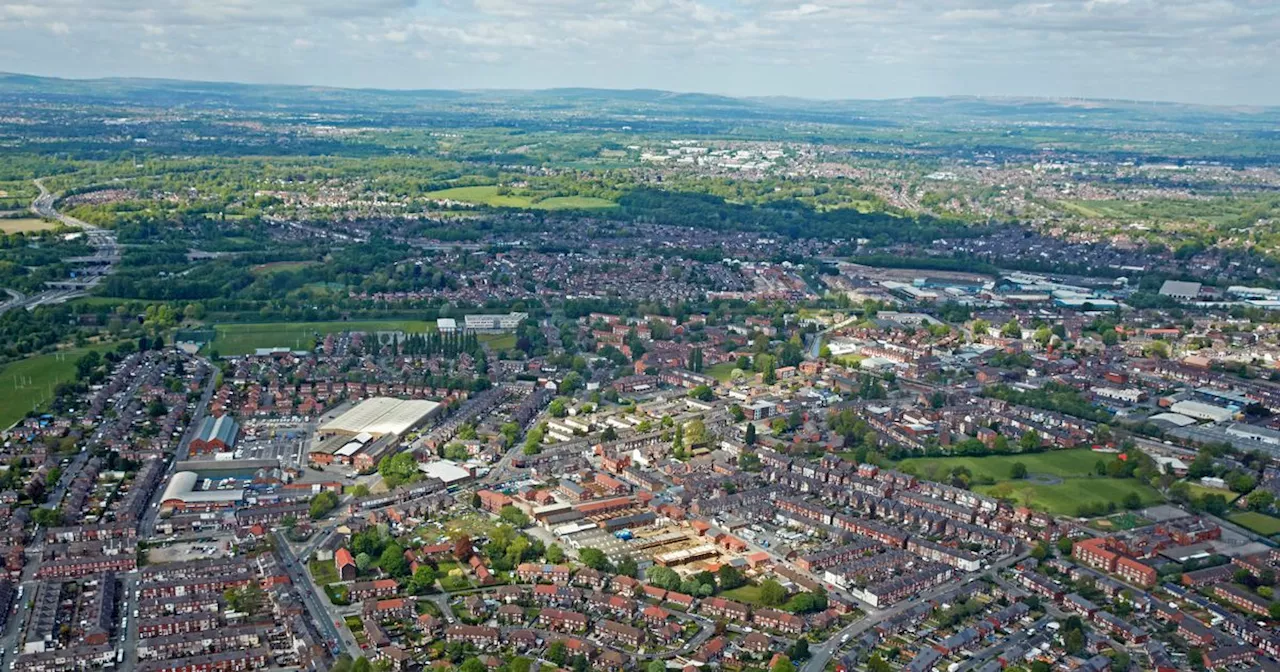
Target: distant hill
953	111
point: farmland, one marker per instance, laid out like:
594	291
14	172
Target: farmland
25	225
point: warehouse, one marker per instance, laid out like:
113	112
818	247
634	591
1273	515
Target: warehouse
187	492
216	435
379	417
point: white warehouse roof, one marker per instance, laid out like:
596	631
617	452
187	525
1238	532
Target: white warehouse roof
381	416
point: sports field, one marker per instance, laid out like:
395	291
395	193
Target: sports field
243	339
1058	481
25	225
1066	497
1058	463
28	384
1258	522
490	196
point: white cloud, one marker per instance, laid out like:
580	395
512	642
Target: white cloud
1202	50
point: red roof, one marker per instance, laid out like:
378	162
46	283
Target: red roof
342	558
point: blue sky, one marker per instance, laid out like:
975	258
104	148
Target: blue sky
1204	51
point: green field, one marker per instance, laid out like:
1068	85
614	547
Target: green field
1067	479
492	197
720	371
1199	491
323	571
748	594
243	339
1059	463
1258	522
28	384
1065	498
26	225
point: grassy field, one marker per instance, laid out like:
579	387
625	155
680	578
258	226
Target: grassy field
323	571
1065	498
748	594
242	339
1258	522
1198	491
492	197
28	383
1057	463
1071	472
720	371
25	225
277	266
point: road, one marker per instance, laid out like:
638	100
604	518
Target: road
821	653
106	254
147	526
310	593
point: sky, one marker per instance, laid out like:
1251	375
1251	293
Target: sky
1223	52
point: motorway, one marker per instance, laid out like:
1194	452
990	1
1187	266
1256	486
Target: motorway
106	254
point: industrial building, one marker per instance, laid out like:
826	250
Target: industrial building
379	417
216	435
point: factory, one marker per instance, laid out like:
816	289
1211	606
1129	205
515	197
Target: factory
362	435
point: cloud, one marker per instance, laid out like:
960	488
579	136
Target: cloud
1197	50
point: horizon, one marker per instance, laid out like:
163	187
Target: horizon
678	92
1140	50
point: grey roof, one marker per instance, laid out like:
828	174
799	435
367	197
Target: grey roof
223	428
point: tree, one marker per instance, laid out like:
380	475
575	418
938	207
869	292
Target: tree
472	665
555	554
628	567
392	561
595	559
772	593
558	652
730	577
663	577
1065	545
362	664
399	469
246	600
878	664
750	437
322	504
423	581
799	650
784	664
702	393
1132	501
515	517
1018	470
364	561
1029	441
1011	329
1074	642
656	666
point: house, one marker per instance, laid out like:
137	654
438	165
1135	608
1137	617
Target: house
345	564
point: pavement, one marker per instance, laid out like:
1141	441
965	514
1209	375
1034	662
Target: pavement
824	651
311	597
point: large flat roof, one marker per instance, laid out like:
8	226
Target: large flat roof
381	416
